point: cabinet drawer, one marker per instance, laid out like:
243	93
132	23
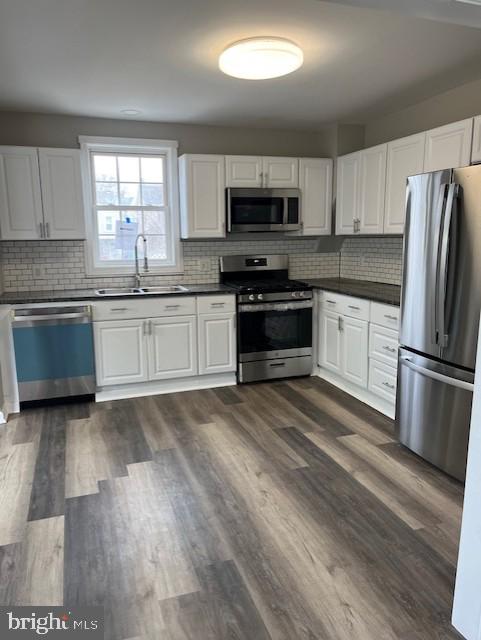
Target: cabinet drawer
329	301
216	304
127	308
355	307
383	344
386	315
382	380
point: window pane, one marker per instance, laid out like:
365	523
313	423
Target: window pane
129	194
105	168
106	221
153	194
108	248
154	222
152	169
129	169
156	247
106	193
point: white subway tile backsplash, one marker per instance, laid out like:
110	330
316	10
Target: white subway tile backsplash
378	259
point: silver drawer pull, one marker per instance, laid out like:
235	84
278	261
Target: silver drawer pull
388	385
331	301
277	364
351	306
386	315
217	304
172	306
119	309
390	349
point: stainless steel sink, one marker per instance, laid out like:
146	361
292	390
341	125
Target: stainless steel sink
136	291
119	291
175	288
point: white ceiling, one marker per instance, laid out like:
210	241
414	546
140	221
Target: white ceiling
97	57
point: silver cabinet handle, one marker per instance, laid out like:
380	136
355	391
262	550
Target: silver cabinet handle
172	306
40	229
144	327
47	230
217	304
119	309
388	385
351	306
150	327
390	349
339	323
331	301
277	364
389	317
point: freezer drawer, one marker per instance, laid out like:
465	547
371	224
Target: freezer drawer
434	410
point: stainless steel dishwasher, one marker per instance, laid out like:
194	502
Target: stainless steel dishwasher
54	351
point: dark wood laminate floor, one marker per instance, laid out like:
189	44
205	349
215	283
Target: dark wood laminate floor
278	511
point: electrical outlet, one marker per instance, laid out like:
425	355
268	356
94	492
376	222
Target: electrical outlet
39	272
204	264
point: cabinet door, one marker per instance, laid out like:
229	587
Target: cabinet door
315	182
372	189
21	215
61	184
280	172
329	341
243	171
405	157
217	343
448	146
202	196
120	352
354	350
476	153
347	199
172	347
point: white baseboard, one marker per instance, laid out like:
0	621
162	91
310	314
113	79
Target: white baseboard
158	387
364	395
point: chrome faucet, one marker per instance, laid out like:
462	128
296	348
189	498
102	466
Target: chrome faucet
146	260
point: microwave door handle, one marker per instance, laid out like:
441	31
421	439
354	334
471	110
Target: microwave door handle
444	264
229	210
285	204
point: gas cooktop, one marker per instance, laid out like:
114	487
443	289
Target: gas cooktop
268	285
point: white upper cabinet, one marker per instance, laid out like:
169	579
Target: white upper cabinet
372	186
347	199
40	194
21	216
405	157
261	171
61	185
202	196
448	146
280	172
243	171
315	182
476	153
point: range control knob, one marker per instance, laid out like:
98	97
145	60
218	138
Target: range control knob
260	296
252	296
301	294
294	294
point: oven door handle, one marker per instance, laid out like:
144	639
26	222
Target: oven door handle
275	306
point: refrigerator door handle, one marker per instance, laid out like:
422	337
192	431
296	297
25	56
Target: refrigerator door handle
443	265
453	382
437	242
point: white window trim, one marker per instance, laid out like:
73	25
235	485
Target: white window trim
88	144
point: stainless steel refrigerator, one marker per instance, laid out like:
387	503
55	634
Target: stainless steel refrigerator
440	307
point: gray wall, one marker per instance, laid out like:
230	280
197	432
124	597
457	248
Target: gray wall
456	104
45	130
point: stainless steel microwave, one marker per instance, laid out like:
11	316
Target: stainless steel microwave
263	210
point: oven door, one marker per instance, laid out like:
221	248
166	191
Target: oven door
262	210
275	330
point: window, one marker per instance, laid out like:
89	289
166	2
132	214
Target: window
130	190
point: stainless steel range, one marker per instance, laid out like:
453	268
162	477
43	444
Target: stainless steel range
274	317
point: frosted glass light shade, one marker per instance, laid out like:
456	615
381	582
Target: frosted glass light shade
261	58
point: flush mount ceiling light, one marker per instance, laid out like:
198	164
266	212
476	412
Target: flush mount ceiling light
261	58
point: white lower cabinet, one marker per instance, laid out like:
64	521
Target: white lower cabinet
343	345
172	347
163	339
358	343
354	350
217	352
121	352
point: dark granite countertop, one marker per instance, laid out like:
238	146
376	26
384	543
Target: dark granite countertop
77	295
377	291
